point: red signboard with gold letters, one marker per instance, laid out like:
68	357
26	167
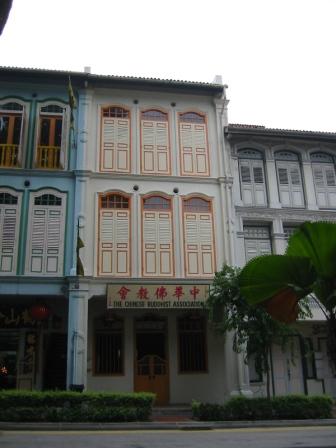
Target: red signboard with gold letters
157	296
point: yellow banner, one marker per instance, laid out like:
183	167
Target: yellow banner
157	296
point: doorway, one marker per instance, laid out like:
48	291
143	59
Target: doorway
151	360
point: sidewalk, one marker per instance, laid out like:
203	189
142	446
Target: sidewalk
190	425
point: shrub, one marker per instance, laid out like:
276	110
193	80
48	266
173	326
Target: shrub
54	406
286	407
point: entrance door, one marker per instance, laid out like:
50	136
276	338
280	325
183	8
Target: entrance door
151	365
55	361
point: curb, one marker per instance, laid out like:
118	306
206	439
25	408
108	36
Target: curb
154	426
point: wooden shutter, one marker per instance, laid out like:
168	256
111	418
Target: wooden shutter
157	243
252	182
325	184
114	246
259	187
194	151
199	247
290	185
155	147
46	242
9	223
115	144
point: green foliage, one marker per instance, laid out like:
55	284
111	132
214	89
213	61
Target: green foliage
265	276
253	328
53	406
286	407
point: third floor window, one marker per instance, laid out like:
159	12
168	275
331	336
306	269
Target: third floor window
252	177
11	129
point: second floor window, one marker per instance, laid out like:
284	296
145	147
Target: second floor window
11	129
45	244
114	235
115	140
9	230
289	179
157	237
252	178
193	144
155	157
257	241
51	144
323	166
198	238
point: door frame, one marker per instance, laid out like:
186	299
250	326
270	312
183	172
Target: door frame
154	317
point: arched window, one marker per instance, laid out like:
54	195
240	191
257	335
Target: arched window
323	166
11	130
194	153
198	238
252	177
289	179
115	139
45	244
9	230
157	237
52	137
155	148
114	235
192	343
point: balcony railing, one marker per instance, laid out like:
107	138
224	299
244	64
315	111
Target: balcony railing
48	157
9	155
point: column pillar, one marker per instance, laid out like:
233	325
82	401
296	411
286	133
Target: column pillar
77	334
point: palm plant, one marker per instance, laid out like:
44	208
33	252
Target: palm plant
308	269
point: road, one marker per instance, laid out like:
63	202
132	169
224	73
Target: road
303	437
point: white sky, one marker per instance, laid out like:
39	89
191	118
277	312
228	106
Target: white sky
277	56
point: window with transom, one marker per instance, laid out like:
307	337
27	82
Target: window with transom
157	237
10	202
252	177
52	137
198	237
114	235
257	241
115	139
11	134
192	344
194	154
155	148
45	244
289	179
323	166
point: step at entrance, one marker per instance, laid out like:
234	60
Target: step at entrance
171	413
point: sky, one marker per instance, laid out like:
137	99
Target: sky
278	57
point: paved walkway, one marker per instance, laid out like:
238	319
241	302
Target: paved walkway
188	425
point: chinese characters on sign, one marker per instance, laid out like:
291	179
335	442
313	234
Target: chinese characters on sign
157	296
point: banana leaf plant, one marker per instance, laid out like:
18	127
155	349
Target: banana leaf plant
308	268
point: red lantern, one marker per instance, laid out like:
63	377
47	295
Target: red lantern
39	312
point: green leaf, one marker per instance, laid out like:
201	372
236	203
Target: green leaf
263	277
317	241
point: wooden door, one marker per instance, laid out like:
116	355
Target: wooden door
151	375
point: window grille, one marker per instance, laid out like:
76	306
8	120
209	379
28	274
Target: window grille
250	154
115	112
192	117
154	115
286	155
256	232
47	199
289	231
6	198
156	203
53	109
321	157
109	350
192	344
197	205
114	201
11	106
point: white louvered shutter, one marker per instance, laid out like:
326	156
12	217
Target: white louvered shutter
115	144
9	223
194	151
114	242
157	243
199	245
290	184
252	181
246	182
325	184
46	242
155	147
259	186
